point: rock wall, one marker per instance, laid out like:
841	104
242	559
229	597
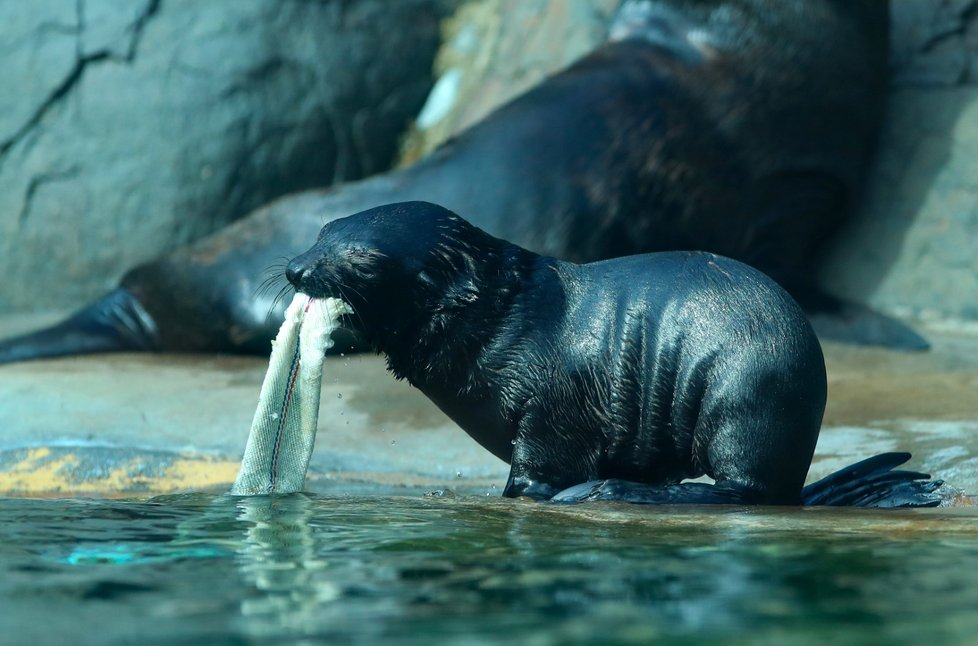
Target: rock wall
913	249
128	127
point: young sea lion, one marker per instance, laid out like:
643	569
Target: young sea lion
741	127
612	380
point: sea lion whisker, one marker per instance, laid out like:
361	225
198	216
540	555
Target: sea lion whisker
346	299
271	274
278	265
267	285
279	298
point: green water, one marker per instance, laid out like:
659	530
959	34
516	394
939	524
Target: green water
415	569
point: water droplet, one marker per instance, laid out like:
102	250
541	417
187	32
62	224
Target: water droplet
513	442
458	474
342	354
339	395
393	442
274	415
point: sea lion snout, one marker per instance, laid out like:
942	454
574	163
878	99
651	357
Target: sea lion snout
296	271
304	272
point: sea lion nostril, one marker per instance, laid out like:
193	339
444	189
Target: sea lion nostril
295	272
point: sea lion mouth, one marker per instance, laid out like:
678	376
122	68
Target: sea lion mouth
311	275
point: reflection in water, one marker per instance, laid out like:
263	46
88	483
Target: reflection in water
448	568
278	557
285	580
375	568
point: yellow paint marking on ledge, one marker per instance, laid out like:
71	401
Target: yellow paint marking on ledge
87	471
196	472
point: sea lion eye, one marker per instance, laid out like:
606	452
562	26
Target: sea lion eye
361	254
363	261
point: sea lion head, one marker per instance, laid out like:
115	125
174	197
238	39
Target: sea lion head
370	259
426	288
377	249
405	269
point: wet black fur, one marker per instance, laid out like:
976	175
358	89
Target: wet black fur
617	379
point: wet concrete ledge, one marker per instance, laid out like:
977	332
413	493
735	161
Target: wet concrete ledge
141	425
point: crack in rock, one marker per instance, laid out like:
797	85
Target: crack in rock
950	22
36	183
138	26
74	76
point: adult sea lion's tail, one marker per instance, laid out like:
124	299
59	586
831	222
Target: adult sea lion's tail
114	323
874	483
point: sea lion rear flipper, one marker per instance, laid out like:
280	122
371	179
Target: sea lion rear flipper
114	323
835	319
873	482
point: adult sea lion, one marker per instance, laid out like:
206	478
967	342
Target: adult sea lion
612	380
741	127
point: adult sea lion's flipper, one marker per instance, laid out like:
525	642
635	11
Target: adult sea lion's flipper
114	323
835	319
795	215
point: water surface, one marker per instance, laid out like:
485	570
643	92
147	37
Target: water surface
413	569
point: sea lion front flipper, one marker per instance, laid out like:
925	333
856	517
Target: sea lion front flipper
685	493
117	322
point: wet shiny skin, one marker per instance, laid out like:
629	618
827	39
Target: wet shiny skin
635	372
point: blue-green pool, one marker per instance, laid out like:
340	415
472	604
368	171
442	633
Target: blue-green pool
418	569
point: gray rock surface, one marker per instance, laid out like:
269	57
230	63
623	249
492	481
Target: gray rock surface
913	250
128	127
